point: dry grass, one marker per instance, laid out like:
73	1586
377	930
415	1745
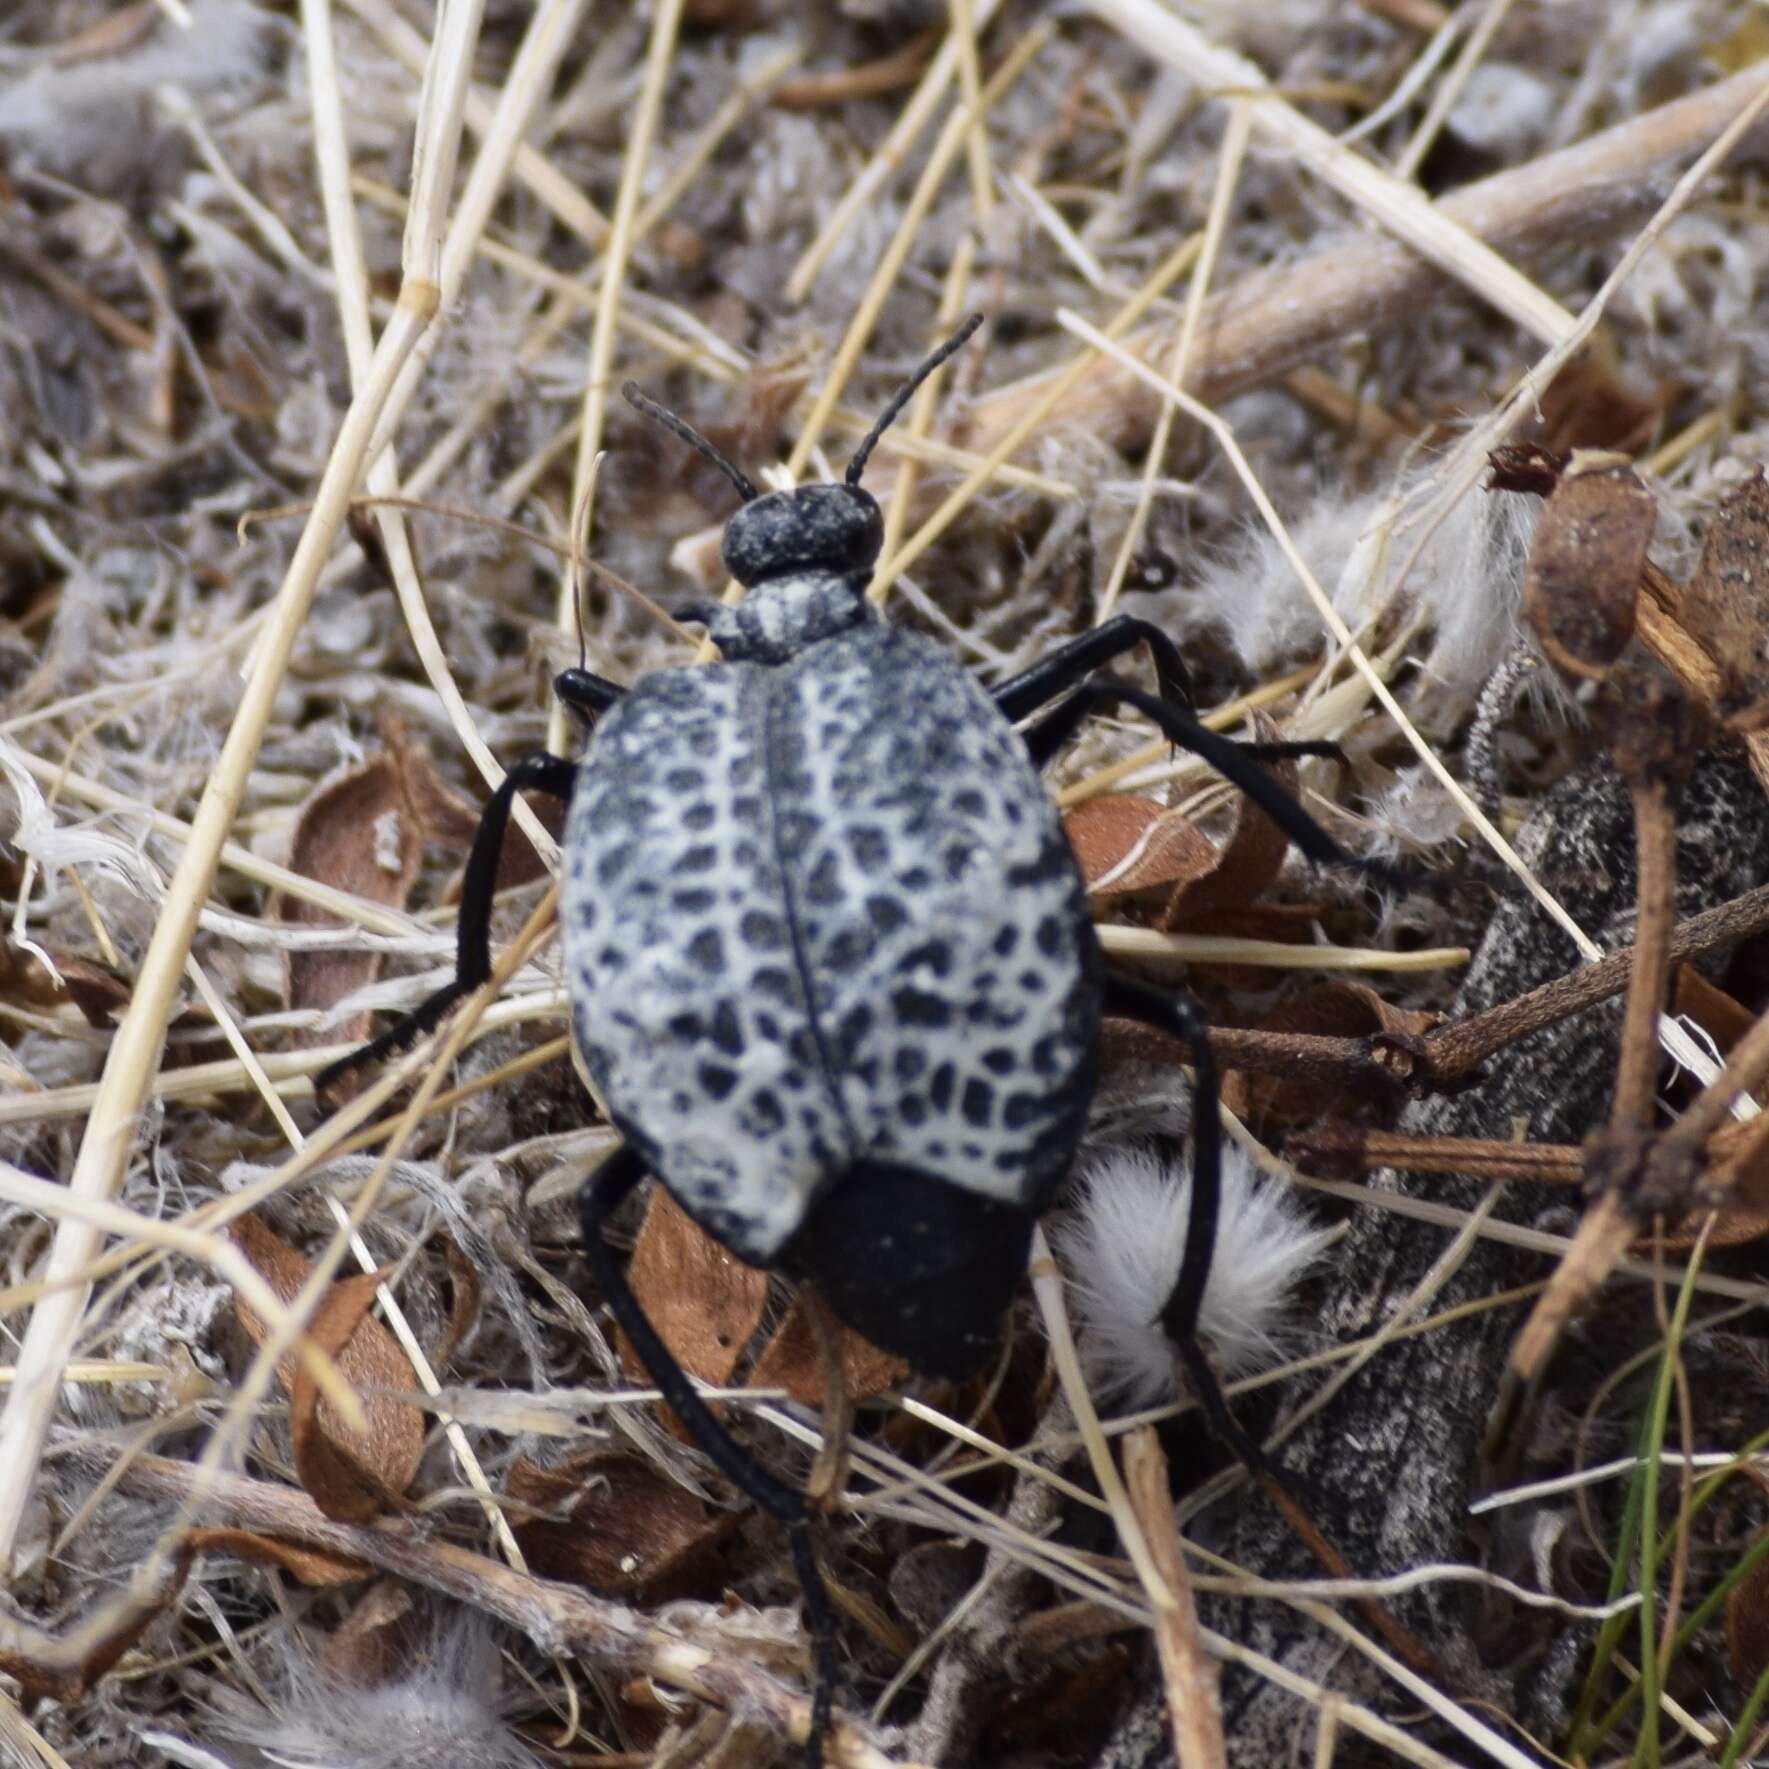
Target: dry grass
1254	321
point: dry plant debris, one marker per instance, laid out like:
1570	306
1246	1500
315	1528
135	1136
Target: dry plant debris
238	766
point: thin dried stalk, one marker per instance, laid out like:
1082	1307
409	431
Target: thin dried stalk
1234	149
1637	1063
598	372
135	1052
1453	1051
1151	946
1190	1677
560	1619
1393	203
889	155
1273	321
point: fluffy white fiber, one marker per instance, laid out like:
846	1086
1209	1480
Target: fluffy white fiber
1467	582
1122	1248
442	1706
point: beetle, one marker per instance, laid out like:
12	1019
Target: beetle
829	955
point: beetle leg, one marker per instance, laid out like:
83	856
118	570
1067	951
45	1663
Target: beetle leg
1071	664
541	772
1233	761
602	1193
1045	738
1179	1017
1060	670
586	693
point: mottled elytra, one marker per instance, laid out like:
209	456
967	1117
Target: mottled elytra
830	959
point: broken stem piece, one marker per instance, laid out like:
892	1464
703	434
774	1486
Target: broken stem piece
1337	1150
1455	1051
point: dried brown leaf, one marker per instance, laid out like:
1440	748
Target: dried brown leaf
1128	846
350	1477
312	1566
358	833
1725	604
369	1645
618	1526
1246	866
1132	848
99	993
705	1303
789	1361
241	386
111	35
1586	563
1587	405
1747	1623
1724	1018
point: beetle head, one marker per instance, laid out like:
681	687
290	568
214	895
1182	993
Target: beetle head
814	528
835	528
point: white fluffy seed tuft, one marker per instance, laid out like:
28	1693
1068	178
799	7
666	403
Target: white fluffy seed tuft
443	1705
1122	1248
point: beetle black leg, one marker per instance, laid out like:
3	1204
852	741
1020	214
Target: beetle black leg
540	772
1061	669
586	693
1179	1018
1045	738
601	1194
1230	759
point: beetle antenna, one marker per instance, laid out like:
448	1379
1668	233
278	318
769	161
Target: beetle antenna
662	415
905	393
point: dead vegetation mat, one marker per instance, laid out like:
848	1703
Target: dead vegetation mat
1401	360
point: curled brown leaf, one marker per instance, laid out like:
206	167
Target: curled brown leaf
1586	562
1133	849
618	1526
705	1303
98	992
349	1475
358	833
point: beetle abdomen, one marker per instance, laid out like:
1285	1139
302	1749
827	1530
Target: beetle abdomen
824	913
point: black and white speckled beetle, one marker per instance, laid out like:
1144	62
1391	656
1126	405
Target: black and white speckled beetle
830	959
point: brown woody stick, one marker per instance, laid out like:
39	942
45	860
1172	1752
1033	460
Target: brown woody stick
560	1619
1337	1150
1453	1052
1189	1676
1270	322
